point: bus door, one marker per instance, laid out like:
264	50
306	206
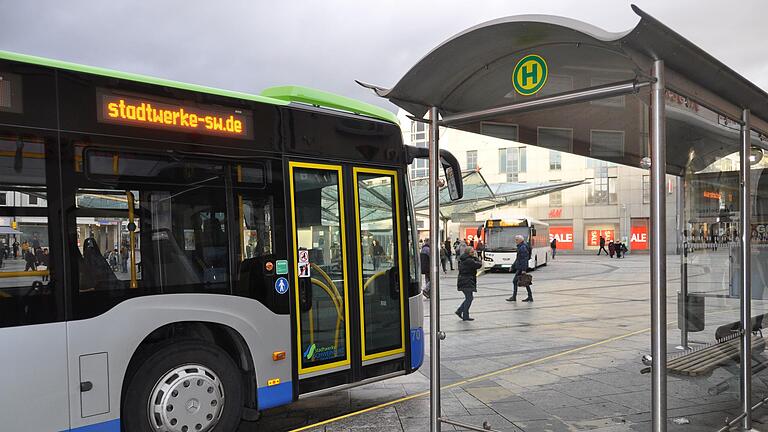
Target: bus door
346	319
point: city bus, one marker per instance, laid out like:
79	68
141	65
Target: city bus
179	258
498	238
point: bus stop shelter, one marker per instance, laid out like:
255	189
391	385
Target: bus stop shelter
647	98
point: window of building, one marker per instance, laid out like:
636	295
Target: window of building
513	160
513	177
559	139
3	198
601	191
499	130
420	167
472	159
646	189
556	198
555	160
606	144
32	200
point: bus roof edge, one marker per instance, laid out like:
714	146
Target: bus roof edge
59	64
326	99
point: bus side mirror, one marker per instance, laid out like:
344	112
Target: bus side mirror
453	177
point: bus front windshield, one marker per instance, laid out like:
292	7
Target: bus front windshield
502	239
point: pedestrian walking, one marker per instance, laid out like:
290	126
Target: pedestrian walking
553	245
449	252
521	266
602	246
30	261
377	254
15	249
45	263
443	258
424	261
462	247
466	282
611	248
617	246
624	250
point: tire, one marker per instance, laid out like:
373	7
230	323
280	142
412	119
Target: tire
206	379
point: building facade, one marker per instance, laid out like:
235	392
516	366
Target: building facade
613	201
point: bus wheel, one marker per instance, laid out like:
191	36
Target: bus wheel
187	386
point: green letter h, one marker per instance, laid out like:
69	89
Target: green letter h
527	74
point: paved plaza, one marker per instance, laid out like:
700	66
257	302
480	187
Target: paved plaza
570	361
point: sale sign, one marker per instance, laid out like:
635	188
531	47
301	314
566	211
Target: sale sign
564	236
593	236
639	239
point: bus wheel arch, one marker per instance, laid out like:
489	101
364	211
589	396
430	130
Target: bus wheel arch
222	336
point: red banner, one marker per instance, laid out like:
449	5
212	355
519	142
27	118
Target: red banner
564	236
639	239
593	236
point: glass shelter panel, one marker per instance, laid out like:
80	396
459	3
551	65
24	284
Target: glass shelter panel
321	270
759	265
704	289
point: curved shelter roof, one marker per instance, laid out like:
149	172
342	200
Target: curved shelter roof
473	71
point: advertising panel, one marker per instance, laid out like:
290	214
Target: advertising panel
564	236
639	238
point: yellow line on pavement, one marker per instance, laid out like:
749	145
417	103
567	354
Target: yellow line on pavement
473	379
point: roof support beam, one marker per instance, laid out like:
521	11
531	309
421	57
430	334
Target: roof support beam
576	96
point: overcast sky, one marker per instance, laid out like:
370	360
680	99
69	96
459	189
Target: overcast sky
250	45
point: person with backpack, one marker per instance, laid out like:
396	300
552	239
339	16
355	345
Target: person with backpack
466	282
553	245
424	261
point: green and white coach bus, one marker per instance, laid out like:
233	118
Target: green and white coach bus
179	258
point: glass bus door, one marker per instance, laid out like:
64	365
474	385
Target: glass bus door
350	308
321	277
380	281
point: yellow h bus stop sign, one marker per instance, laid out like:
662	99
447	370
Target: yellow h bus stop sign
530	75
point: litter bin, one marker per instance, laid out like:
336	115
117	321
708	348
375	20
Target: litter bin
690	309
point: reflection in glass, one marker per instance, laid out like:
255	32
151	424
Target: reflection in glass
26	290
380	291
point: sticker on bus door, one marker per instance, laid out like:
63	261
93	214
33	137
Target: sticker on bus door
304	264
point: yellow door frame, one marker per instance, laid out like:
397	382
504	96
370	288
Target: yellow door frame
362	285
299	352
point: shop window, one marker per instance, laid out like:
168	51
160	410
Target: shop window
646	189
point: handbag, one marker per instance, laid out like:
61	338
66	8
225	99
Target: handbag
525	280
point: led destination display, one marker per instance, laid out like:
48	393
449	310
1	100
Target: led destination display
144	112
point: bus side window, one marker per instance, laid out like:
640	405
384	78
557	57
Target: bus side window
27	293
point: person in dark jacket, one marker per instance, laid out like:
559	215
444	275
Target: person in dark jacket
553	245
469	263
521	266
449	252
602	246
424	261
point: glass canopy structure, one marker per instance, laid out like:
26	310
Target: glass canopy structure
670	107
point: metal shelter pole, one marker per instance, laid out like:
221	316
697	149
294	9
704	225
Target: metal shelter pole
746	282
682	307
658	252
434	274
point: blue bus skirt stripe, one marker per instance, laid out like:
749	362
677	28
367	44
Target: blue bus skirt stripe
107	426
417	347
276	395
